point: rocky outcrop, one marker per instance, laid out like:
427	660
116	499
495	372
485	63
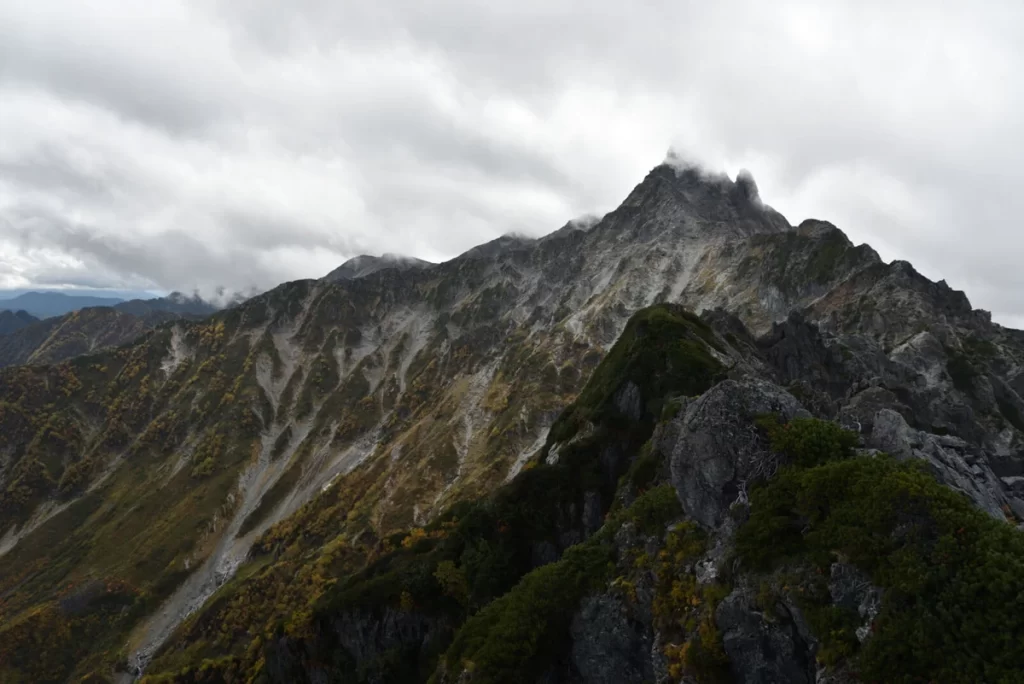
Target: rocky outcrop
365	265
715	450
953	461
351	640
608	647
762	651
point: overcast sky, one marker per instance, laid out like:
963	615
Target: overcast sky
165	145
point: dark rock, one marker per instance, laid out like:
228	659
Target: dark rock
715	449
946	457
629	402
544	552
859	413
367	635
593	516
607	647
796	349
762	652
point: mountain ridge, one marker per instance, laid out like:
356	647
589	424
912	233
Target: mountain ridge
50	304
89	329
13	321
405	391
364	265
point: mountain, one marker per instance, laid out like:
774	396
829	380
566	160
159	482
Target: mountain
7	294
12	321
364	265
53	304
535	463
175	303
79	332
88	330
48	304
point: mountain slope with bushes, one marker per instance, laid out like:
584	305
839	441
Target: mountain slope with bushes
512	462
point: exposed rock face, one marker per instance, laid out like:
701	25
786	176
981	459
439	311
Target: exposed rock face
608	648
762	652
799	352
859	414
715	449
354	640
953	461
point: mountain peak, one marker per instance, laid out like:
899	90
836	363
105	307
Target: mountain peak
366	264
683	196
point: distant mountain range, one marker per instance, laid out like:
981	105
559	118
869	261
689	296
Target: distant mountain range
48	304
35	337
51	304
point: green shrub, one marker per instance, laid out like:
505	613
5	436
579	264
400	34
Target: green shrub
663	350
515	637
652	510
645	468
808	442
953	578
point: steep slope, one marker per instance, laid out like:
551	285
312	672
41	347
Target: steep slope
372	404
13	321
672	529
79	332
62	337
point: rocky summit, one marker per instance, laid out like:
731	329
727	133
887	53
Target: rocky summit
688	442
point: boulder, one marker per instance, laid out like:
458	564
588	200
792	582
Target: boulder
715	449
858	414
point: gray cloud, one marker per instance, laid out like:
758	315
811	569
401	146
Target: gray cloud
173	146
